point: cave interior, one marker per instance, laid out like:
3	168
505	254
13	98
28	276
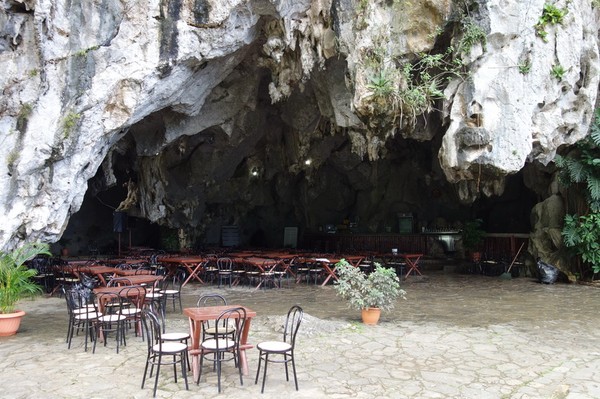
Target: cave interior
268	166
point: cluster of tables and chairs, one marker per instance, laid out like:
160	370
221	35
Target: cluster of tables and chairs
262	269
108	301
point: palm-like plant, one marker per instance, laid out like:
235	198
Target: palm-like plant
15	276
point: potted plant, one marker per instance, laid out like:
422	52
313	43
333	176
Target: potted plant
370	293
16	284
472	238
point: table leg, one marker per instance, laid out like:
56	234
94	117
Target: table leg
412	265
330	274
244	346
195	327
193	274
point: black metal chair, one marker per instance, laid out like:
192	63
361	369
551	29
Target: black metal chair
283	348
217	348
162	352
83	313
208	328
110	321
172	289
225	273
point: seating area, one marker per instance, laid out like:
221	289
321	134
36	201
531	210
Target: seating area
112	301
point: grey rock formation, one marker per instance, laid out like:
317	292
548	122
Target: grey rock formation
194	95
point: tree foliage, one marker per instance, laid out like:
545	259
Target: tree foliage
581	169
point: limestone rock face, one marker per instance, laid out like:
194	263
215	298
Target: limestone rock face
513	108
197	99
546	239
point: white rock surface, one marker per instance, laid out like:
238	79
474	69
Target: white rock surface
76	76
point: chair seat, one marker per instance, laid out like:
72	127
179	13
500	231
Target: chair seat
88	316
84	309
175	336
274	346
170	347
169	292
211	344
212	330
131	311
109	318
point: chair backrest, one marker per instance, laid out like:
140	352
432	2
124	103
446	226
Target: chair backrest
119	281
225	264
152	329
292	324
134	294
227	318
80	297
211	300
174	282
110	303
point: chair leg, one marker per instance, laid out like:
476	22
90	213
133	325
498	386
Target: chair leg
258	367
145	371
175	367
219	372
157	374
262	390
239	366
285	362
200	368
294	370
183	369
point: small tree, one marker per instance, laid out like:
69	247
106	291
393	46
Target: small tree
380	289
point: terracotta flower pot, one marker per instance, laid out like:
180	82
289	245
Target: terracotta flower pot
370	316
10	322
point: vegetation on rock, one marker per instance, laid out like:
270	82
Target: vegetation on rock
551	15
580	170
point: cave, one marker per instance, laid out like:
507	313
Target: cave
280	165
167	125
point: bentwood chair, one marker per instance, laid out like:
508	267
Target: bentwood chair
208	328
161	352
224	346
109	322
156	299
83	313
225	273
282	350
172	289
133	303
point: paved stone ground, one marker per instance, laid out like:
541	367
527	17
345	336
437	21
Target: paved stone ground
456	336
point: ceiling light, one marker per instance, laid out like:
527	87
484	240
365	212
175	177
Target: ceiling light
308	162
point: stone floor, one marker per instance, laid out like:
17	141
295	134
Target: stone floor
456	336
